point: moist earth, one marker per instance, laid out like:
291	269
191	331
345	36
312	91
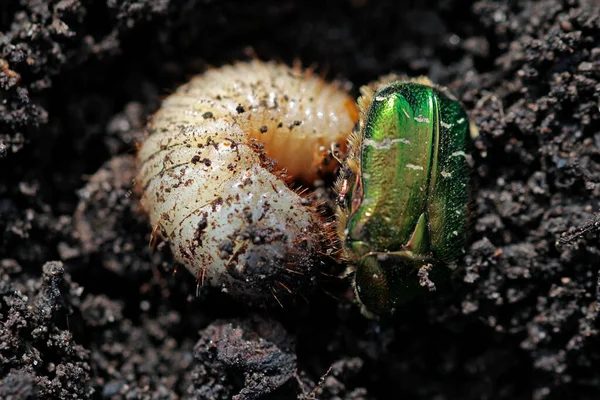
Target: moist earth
89	310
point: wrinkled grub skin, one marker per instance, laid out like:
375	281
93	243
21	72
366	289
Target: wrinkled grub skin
95	314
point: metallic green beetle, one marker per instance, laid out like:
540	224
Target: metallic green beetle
404	191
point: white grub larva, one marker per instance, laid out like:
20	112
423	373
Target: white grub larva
210	173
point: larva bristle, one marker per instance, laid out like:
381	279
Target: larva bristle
293	271
332	237
301	191
202	276
330	295
321	208
154	238
275	297
285	287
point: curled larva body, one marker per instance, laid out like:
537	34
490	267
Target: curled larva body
209	183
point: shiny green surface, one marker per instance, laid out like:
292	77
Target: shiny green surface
408	203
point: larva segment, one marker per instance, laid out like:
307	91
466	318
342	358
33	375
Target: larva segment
227	215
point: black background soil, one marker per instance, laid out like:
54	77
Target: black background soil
88	311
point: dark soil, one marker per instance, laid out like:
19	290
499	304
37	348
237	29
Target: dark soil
88	311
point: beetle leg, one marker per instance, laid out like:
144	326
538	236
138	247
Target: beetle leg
343	191
371	286
384	280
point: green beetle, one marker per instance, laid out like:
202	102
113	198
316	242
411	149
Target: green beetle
403	191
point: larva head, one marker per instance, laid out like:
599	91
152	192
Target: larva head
407	191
